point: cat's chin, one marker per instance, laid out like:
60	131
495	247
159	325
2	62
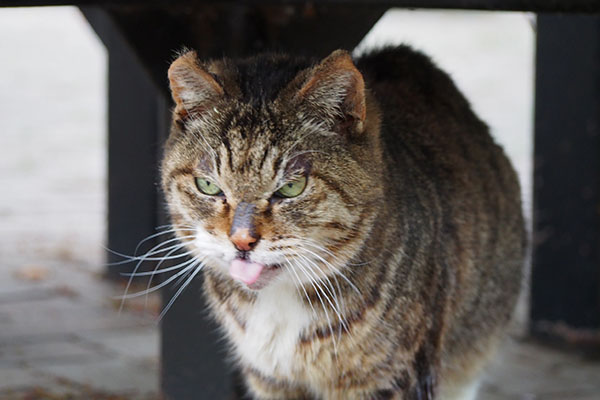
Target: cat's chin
253	275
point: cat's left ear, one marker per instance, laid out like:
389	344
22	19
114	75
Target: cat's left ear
336	88
193	88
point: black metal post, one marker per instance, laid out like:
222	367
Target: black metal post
136	126
566	260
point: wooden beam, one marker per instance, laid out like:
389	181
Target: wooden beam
237	30
572	6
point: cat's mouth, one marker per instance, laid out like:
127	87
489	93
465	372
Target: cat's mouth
254	275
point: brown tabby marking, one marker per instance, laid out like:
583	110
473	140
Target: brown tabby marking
394	272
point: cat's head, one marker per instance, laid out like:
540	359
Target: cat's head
272	171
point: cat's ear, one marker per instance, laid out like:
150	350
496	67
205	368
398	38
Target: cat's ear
336	88
192	87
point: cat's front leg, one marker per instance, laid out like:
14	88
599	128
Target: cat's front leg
423	388
263	388
421	391
361	394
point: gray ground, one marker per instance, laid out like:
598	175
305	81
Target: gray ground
61	335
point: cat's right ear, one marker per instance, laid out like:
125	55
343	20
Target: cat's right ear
193	89
335	89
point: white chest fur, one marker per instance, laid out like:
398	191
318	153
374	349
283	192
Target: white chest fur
273	328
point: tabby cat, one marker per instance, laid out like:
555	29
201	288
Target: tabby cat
360	232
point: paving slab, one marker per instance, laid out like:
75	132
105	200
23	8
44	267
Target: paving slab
526	370
51	350
59	316
136	343
116	374
19	377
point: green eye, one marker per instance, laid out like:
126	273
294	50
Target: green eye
207	187
292	188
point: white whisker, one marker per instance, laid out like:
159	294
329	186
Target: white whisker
155	288
291	268
172	230
141	260
198	267
317	289
319	247
161	271
334	269
327	282
152	252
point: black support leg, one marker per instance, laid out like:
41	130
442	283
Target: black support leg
137	125
566	260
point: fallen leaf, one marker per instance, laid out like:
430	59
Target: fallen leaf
33	272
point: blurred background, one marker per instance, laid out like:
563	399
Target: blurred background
60	330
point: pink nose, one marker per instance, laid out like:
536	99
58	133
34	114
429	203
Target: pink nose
242	239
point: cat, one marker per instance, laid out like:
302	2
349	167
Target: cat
360	233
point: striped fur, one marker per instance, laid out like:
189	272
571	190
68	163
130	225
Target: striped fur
400	263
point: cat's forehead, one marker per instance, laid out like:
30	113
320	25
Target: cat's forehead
236	126
248	147
252	138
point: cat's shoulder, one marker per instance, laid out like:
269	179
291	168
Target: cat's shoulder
402	64
391	60
401	76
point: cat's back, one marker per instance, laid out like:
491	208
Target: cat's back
420	103
444	167
429	131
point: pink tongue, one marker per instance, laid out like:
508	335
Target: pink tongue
247	272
